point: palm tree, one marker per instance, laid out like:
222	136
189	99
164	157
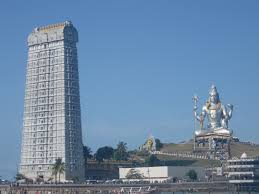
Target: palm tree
121	151
61	170
58	168
55	168
87	152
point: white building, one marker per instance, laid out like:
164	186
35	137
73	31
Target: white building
161	173
52	117
243	170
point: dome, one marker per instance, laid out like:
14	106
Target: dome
243	156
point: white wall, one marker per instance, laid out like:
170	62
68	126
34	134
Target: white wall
164	172
149	172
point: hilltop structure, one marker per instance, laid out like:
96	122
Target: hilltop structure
149	145
52	116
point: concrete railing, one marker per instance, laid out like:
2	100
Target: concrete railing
220	187
185	155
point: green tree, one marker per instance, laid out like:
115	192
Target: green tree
159	144
58	168
121	152
20	176
192	174
87	153
75	179
61	170
152	160
105	152
134	174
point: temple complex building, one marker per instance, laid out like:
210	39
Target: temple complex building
52	115
243	170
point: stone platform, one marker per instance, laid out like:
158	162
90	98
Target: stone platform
215	145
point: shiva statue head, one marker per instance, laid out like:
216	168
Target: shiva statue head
213	95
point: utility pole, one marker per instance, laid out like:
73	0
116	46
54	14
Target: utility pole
148	173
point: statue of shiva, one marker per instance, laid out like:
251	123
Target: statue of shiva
217	115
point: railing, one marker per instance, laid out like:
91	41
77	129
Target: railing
144	189
185	155
216	186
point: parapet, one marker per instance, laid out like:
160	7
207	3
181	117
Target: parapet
53	32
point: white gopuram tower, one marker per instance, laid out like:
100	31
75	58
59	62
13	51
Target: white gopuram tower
52	116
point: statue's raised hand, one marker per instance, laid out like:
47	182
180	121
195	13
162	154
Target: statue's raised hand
230	106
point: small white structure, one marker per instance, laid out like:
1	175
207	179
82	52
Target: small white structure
244	156
160	173
243	170
149	145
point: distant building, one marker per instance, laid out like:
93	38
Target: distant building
52	117
159	173
244	170
149	145
216	174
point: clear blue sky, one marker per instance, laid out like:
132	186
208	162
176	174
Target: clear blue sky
140	63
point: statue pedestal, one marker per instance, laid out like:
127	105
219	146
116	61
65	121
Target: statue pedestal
214	144
221	131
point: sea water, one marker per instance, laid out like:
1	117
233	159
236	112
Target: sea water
209	192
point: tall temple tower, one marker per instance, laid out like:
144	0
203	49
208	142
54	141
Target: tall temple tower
52	116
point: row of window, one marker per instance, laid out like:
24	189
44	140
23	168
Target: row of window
51	114
48	141
36	54
29	138
51	120
30	112
51	127
45	70
46	53
242	170
51	107
45	168
43	131
68	60
70	94
49	155
51	68
40	148
58	125
72	100
52	77
49	92
43	134
43	89
46	45
46	86
254	162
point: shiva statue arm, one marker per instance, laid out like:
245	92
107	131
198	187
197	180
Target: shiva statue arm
200	117
230	106
227	114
